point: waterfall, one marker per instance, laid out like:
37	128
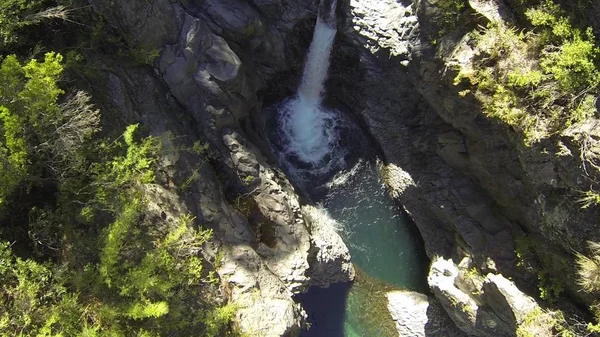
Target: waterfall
308	128
317	63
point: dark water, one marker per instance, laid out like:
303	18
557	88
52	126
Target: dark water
384	246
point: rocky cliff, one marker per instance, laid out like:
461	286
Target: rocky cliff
214	58
472	188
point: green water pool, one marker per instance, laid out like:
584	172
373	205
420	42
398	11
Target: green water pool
386	249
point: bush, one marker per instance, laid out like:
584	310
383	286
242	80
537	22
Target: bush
539	81
588	269
450	12
111	267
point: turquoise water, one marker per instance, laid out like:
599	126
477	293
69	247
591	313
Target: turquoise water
385	248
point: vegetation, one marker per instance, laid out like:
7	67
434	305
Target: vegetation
540	77
540	80
81	251
588	269
541	322
450	12
550	289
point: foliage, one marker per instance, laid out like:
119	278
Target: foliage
13	154
450	12
538	81
588	272
588	269
540	322
570	54
28	96
14	15
550	288
111	266
141	56
589	198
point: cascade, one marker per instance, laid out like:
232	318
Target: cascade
325	154
310	133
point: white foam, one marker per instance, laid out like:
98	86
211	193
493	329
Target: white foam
309	128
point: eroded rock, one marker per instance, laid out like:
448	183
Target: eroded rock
287	248
329	257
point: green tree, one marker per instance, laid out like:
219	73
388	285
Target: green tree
111	267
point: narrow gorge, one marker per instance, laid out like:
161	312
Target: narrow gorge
313	168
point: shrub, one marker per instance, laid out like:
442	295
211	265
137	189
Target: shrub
112	267
537	323
588	269
539	81
450	11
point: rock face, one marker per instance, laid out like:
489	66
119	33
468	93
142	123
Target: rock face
283	239
468	181
424	155
416	315
265	300
214	58
329	254
536	187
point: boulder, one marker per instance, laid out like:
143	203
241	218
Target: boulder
417	315
329	257
509	303
484	306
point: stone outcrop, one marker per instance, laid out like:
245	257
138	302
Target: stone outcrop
214	58
265	300
470	184
329	254
416	315
536	187
282	237
487	306
424	155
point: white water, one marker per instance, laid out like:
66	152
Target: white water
317	64
309	129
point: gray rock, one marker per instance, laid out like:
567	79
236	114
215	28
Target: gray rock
329	257
461	178
286	252
494	11
487	307
150	24
266	305
461	308
423	153
533	186
509	303
385	24
417	315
